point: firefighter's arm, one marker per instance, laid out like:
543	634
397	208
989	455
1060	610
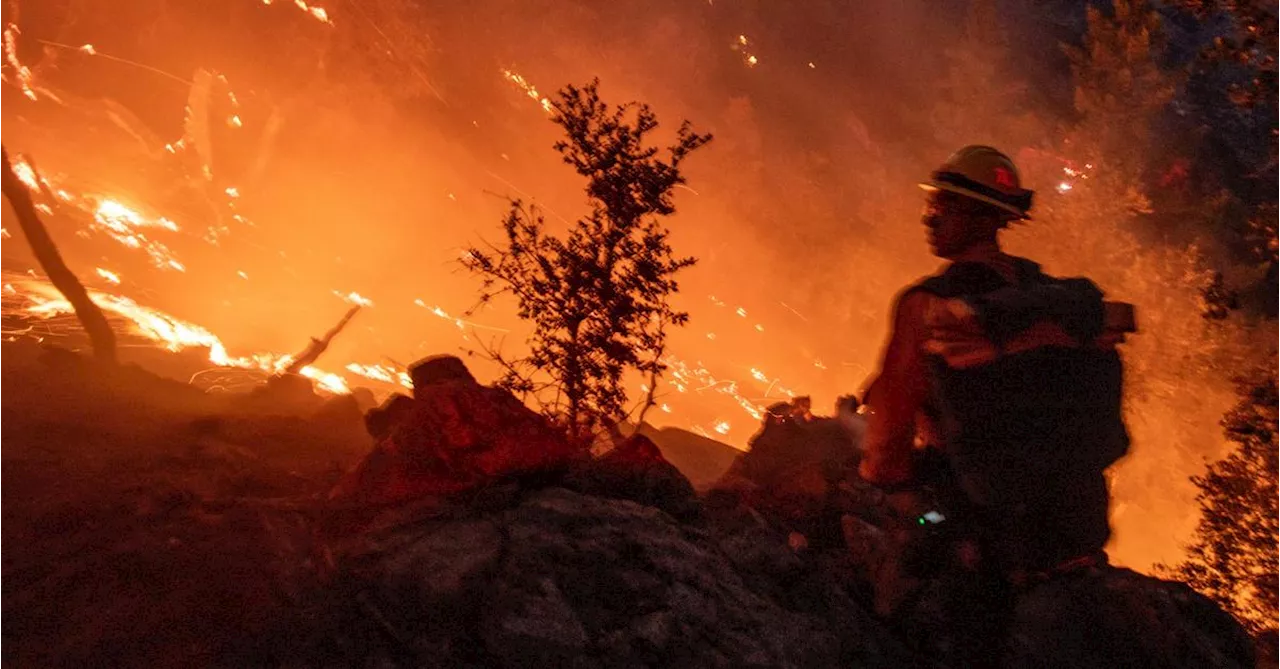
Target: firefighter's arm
897	395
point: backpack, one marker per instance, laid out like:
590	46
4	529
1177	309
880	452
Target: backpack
1028	424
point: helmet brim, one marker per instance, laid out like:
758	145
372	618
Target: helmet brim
961	190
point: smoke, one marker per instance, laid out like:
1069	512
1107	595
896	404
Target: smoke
372	150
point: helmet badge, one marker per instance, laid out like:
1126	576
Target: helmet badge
1004	178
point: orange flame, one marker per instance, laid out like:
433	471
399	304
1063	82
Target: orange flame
172	333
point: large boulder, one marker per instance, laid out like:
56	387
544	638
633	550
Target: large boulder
453	435
559	578
1112	617
1089	616
437	369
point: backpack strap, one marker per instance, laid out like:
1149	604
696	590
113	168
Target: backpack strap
972	278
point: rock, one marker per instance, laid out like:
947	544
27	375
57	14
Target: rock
438	369
566	579
540	629
378	421
283	394
340	413
1119	618
365	399
792	473
636	470
454	435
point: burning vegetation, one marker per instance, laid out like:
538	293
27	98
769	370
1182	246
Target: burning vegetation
221	184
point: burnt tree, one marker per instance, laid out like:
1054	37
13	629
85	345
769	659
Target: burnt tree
91	317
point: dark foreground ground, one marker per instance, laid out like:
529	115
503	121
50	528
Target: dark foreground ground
150	523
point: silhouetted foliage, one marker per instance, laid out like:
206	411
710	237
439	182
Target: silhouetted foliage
597	296
1120	88
982	97
1219	301
1249	42
1233	557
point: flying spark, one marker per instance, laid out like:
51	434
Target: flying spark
354	298
110	276
22	73
528	89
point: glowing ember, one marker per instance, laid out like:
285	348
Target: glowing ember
460	323
681	376
123	225
22	74
528	89
25	174
354	298
748	58
317	13
1072	175
109	276
722	427
381	373
88	48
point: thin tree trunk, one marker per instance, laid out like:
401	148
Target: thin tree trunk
658	350
46	252
574	383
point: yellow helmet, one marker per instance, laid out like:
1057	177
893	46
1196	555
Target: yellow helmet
984	174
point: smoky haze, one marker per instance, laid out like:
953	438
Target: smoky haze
373	150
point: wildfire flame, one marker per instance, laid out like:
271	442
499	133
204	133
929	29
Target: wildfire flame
123	225
174	334
130	227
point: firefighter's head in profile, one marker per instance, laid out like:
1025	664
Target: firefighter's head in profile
975	193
